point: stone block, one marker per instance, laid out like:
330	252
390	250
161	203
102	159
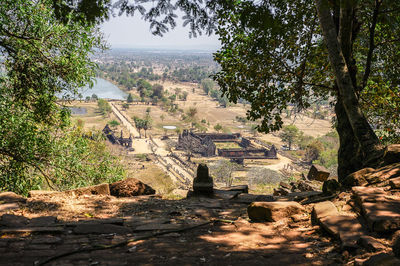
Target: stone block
381	210
130	187
11	197
273	211
203	182
369	243
357	178
322	210
330	187
392	154
318	172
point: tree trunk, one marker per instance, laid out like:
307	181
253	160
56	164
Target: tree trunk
349	154
362	132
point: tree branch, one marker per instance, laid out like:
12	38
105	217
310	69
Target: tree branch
371	44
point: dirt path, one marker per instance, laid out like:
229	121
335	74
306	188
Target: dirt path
180	175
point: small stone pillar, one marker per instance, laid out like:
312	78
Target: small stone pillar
203	183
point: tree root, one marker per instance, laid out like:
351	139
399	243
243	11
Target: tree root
126	242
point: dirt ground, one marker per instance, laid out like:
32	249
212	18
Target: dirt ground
198	231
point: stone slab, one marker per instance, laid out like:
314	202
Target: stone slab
43	221
50	229
345	228
11	197
8	206
225	194
273	211
157	226
322	210
101	229
11	220
249	198
381	210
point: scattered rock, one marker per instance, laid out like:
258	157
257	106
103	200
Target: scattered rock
273	211
281	191
357	178
203	182
11	197
382	259
322	210
130	187
11	220
369	243
286	189
101	229
318	172
299	218
330	187
101	189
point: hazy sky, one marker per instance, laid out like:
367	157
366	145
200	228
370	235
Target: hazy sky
133	32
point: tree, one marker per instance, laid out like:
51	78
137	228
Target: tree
104	107
113	123
223	170
289	134
138	124
340	49
346	50
130	98
43	55
207	85
191	113
218	127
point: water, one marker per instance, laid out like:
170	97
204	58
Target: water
103	89
78	110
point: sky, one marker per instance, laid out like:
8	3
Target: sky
133	32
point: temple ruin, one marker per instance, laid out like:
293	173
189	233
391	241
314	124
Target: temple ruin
109	133
204	144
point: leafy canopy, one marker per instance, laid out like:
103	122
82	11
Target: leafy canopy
43	56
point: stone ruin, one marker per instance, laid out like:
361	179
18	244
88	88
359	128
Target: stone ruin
204	144
126	142
194	143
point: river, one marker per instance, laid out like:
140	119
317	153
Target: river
103	89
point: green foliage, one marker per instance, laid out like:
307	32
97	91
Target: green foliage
104	107
207	85
43	56
113	123
289	134
218	127
130	98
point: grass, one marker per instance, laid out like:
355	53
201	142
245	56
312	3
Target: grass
227	145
